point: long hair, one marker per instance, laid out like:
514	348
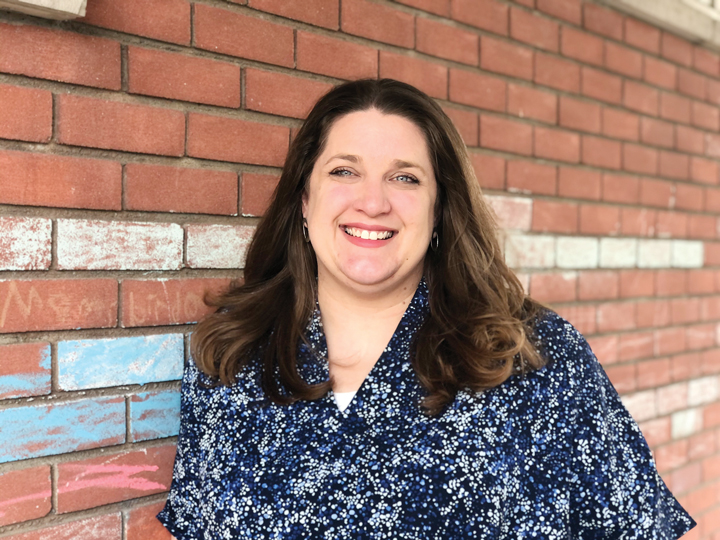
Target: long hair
479	329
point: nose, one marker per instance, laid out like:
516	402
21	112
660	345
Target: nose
372	197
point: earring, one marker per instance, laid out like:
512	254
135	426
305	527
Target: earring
306	233
435	242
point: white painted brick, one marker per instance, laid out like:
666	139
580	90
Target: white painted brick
118	245
641	405
687	254
577	252
672	398
218	246
25	243
654	253
686	423
512	212
618	252
703	390
526	251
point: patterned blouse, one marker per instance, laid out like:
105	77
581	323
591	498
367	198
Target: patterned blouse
549	455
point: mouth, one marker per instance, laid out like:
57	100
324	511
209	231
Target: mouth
368	235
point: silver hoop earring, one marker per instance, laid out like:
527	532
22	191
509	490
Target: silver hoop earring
435	241
306	233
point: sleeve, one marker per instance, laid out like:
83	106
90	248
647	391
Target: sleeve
180	515
616	491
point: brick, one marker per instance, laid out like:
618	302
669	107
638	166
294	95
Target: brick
557	73
601	86
438	7
691	84
106	527
621	188
670	283
579	183
701	281
553	287
335	57
25	371
605	348
551	216
676	108
534	30
654	253
45	180
141	524
634	346
712	253
378	22
640	159
490	170
641	405
642	36
581	317
623	378
637	283
477	90
506	58
58	304
429	77
530	177
117	245
603	21
527	102
660	73
712	200
449	42
499	133
113	478
235	140
523	251
568	10
167	301
60	56
466	122
638	222
676	49
701	336
674	165
98	363
217	246
705	116
98	123
580	115
25	243
683	310
689	140
581	46
555	144
657	133
704	170
671	224
669	341
713	91
686	366
694	141
280	94
223	31
598	285
601	152
706	61
620	124
61	427
26	495
155	415
175	189
526	3
623	60
599	220
318	12
689	197
641	98
484	14
577	252
618	252
653	313
656	431
257	190
671	456
27	113
181	77
615	316
165	20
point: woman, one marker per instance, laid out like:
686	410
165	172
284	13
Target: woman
376	278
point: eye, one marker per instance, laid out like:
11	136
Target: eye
407	179
340	171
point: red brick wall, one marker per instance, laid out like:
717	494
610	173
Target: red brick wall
139	145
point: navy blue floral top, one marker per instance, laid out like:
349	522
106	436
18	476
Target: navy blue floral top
549	455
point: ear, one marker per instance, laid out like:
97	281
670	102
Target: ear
304	203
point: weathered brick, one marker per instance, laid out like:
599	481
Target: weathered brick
181	77
556	144
335	57
484	14
44	180
490	170
577	252
235	140
618	252
318	12
557	73
106	245
506	57
224	31
141	524
638	221
378	22
579	115
58	304
531	177
167	301
477	90
579	183
601	152
25	243
603	21
106	527
24	371
654	253
623	60
97	123
280	94
528	102
60	56
447	41
551	216
642	35
554	287
602	86
27	113
512	212
671	224
499	133
429	77
34	431
257	190
524	251
620	124
568	10
218	246
166	20
155	415
25	495
98	363
659	73
581	46
534	30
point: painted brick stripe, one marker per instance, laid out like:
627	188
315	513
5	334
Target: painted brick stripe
24	370
155	415
25	243
217	246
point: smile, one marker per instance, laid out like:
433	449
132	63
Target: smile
368	235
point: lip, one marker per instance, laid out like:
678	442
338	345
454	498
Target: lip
367	227
363	242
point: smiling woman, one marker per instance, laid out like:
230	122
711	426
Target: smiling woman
381	374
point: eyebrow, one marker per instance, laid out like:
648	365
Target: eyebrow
400	163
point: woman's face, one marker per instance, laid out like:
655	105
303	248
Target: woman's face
370	200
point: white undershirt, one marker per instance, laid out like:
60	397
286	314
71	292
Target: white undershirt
343	399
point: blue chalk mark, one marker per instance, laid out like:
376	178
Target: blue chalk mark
99	363
155	415
29	432
32	383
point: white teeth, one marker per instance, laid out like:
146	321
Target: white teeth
368	235
373	235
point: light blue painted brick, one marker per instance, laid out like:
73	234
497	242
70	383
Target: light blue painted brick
154	415
34	382
98	363
28	432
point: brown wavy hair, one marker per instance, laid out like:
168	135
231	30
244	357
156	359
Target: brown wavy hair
480	327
